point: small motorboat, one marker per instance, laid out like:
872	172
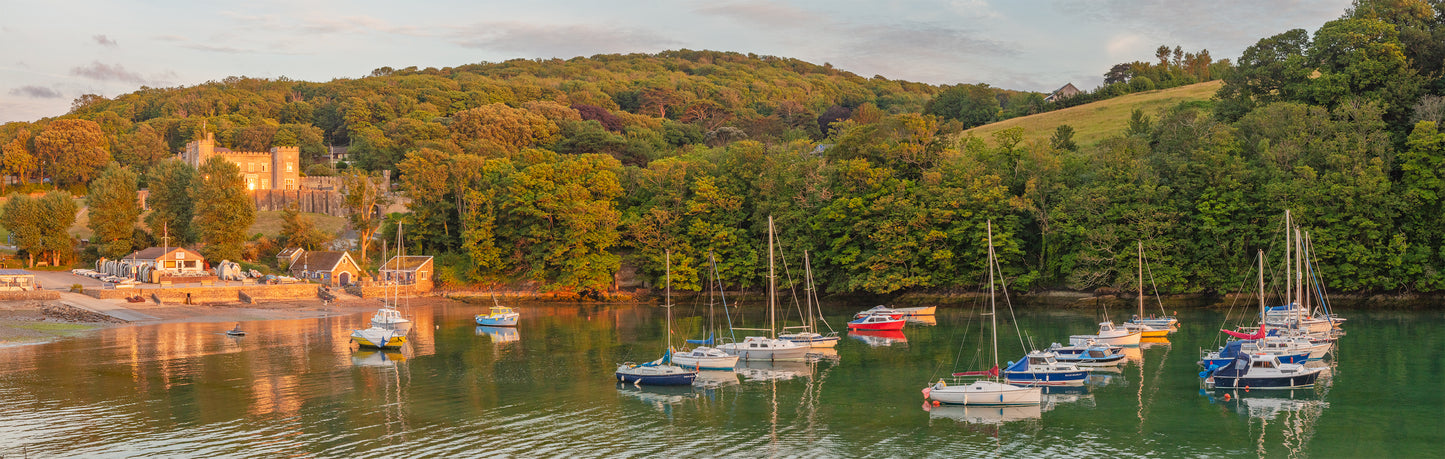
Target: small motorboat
1090	354
901	312
1039	368
236	331
705	358
878	322
499	316
1108	334
1224	355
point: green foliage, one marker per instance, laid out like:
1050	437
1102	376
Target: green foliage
170	201
973	105
114	208
298	230
223	209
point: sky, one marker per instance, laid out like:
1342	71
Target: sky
53	52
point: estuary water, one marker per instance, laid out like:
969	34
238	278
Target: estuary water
546	388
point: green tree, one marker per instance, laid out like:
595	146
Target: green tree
425	177
561	215
17	159
974	105
170	201
21	215
223	209
56	214
1063	138
114	209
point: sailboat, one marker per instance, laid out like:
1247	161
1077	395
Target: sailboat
768	347
660	372
813	310
1149	327
498	316
991	391
388	317
706	357
1260	370
388	328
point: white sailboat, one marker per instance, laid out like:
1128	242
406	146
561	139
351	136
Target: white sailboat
767	347
992	391
388	317
706	357
390	332
813	310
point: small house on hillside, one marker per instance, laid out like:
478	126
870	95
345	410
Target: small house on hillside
1063	93
408	270
287	257
330	268
171	259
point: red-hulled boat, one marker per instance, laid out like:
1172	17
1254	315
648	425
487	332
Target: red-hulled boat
878	322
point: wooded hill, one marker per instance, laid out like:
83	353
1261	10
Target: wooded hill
557	170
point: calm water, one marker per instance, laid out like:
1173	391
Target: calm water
547	389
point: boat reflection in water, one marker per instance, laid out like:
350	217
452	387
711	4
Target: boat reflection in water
879	338
922	320
759	370
715	378
499	335
377	358
660	397
1285	417
980	414
1146	343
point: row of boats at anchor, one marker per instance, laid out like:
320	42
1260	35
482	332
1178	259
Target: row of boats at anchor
795	343
1269	355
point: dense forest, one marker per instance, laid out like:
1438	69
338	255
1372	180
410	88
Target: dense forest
561	171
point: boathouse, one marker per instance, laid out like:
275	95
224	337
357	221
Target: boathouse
330	268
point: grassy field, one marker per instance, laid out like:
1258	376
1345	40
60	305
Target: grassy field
1096	121
269	223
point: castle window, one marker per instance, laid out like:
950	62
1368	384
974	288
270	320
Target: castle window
289	167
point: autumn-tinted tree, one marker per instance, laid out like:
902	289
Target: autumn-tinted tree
223	209
73	149
364	200
16	159
299	230
21	216
114	208
57	213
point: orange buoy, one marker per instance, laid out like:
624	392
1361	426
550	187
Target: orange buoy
935	403
1226	397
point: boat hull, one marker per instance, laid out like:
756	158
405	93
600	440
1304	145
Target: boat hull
705	362
1253	383
377	338
1050	378
774	352
1128	339
682	379
812	341
984	393
878	326
489	321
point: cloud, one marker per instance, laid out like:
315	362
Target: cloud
1128	47
103	40
979	9
542	40
762	14
1200	24
38	92
105	72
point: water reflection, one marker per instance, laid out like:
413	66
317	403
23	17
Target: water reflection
879	338
928	321
987	415
754	370
660	397
377	358
499	335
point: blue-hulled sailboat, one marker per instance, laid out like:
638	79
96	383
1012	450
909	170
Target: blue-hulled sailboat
1039	368
660	372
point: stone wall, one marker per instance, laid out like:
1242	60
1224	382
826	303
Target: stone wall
18	295
315	201
216	294
378	291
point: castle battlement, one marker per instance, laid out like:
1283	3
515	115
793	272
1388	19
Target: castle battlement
278	169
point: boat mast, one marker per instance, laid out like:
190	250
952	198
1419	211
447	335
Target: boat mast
1141	280
1299	270
808	293
1289	280
992	308
772	284
1262	314
668	301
